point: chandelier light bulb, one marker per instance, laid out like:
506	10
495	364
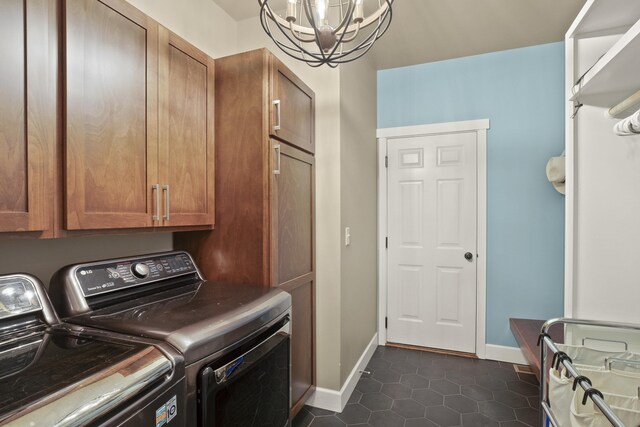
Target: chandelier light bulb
292	10
322	10
358	12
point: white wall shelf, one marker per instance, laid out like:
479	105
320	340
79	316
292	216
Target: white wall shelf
616	75
601	226
604	16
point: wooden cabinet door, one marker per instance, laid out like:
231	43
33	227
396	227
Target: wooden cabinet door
292	108
111	115
292	256
303	347
28	42
292	199
186	147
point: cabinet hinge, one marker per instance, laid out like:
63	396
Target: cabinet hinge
386	323
386	243
386	161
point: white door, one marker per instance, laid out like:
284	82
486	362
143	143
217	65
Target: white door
432	227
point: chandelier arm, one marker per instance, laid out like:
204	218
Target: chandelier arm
296	48
265	6
352	38
338	44
306	5
347	16
362	48
264	21
300	49
355	53
386	6
303	40
298	54
367	43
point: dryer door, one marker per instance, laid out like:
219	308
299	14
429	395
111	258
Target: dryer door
252	389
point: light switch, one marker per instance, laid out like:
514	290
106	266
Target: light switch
347	236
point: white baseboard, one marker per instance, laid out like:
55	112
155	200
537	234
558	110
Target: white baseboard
502	353
334	400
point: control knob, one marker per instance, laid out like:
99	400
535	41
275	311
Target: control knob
140	270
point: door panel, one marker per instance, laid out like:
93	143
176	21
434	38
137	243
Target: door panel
27	114
432	224
186	131
111	121
13	197
302	341
292	200
292	119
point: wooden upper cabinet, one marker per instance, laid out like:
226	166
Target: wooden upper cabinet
111	115
28	42
139	122
292	108
186	132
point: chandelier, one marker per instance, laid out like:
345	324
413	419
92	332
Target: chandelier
325	31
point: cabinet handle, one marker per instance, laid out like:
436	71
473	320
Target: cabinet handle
276	102
276	147
167	202
156	191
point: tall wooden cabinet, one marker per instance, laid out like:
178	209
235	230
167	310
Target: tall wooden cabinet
28	77
265	194
138	123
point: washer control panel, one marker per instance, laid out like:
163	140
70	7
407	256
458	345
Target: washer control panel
111	276
18	296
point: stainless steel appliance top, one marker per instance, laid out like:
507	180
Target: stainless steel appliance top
166	300
50	375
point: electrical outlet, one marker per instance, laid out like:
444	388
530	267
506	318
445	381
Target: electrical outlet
347	236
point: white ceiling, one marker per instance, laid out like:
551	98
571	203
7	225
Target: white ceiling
434	30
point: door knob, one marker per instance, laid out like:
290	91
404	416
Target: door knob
468	256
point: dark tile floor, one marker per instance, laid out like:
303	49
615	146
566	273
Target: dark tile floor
408	388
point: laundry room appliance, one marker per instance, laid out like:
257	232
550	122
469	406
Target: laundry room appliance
52	374
235	338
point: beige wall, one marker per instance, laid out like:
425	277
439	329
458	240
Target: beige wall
325	82
43	257
202	22
358	195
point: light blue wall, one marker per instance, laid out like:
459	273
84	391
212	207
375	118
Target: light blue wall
521	92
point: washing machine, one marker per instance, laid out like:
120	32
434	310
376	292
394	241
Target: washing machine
57	374
235	339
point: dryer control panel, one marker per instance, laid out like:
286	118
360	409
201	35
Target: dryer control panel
111	276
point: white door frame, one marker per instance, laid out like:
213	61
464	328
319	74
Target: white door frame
480	127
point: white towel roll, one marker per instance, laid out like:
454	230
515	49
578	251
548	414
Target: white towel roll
628	126
635	121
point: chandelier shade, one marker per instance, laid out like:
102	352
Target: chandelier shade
328	32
